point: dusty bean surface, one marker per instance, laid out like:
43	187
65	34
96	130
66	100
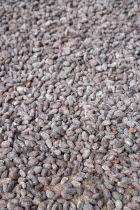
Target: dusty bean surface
70	105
